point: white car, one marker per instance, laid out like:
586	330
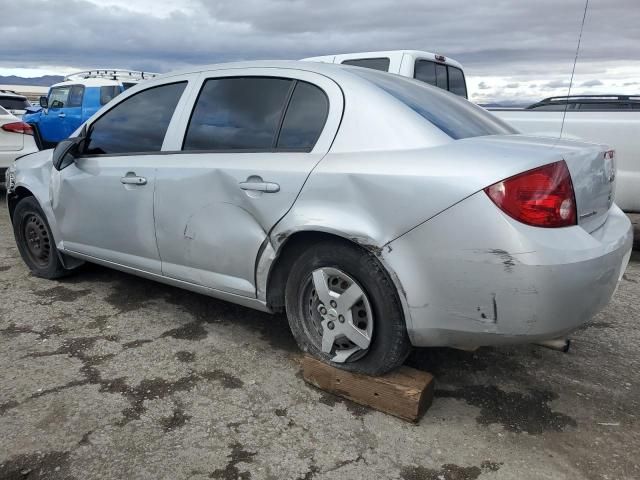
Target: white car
16	139
14	103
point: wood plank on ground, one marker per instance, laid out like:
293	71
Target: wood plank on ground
406	393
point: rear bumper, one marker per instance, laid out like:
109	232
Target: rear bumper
472	276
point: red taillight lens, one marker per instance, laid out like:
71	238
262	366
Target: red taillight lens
542	197
18	127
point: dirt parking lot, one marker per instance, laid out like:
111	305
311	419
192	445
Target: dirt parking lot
105	375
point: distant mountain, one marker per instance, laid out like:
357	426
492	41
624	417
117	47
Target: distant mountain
44	81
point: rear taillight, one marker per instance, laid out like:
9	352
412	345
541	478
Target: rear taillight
542	197
18	127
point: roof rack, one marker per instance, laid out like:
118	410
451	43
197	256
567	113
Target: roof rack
588	97
111	74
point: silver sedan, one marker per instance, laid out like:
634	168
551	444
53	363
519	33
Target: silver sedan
377	211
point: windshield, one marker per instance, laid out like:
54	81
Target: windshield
452	114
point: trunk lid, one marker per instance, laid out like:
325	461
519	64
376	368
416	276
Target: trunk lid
593	173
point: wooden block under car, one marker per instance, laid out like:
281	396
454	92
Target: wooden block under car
405	393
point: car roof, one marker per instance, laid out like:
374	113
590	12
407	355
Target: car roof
11	93
89	82
327	69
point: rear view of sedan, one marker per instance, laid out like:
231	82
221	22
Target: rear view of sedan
377	211
16	139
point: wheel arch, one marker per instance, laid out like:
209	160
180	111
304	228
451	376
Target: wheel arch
290	245
14	197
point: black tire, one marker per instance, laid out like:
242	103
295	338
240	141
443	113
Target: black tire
390	343
35	241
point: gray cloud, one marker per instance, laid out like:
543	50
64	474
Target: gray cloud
513	38
591	83
556	84
483	86
512	85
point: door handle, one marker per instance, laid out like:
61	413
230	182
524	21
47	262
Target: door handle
62	115
132	179
267	187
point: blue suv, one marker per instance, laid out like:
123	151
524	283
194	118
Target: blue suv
70	103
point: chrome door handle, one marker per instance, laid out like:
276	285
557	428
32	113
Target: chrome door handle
62	115
267	187
132	179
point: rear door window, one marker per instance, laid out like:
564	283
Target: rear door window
108	93
238	113
304	119
381	63
138	124
75	96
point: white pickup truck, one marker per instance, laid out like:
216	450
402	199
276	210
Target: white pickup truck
600	120
612	119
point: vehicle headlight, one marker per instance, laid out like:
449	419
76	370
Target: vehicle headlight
10	178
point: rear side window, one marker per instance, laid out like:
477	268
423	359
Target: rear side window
305	118
108	93
381	64
237	113
75	96
137	124
14	103
455	116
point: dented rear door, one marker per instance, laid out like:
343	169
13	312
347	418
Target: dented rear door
225	185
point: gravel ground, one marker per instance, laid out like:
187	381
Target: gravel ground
104	375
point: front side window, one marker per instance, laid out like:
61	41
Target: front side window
237	113
381	64
59	96
455	116
137	124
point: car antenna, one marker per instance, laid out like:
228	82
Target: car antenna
573	71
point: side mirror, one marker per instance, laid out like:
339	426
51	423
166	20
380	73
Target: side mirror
65	152
44	102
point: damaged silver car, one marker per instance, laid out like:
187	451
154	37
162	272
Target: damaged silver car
377	211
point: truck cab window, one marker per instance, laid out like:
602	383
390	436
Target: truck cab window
381	64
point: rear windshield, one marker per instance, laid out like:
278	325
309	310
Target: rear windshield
14	103
452	114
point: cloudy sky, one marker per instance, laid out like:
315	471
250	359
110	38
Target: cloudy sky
511	49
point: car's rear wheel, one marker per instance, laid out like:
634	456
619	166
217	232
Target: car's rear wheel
343	308
34	240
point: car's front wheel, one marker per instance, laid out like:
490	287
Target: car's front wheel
343	308
34	240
